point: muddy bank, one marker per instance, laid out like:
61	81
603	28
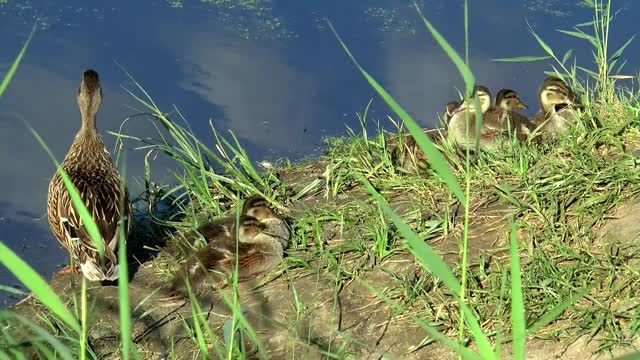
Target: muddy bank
307	308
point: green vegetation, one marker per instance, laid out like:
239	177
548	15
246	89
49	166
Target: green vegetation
483	258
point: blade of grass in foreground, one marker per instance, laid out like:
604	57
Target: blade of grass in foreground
523	59
463	68
469	79
123	279
87	220
40	289
556	311
436	159
518	326
61	350
434	263
14	67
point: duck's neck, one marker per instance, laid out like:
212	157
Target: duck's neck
88	122
88	146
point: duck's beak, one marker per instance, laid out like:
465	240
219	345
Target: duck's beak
521	106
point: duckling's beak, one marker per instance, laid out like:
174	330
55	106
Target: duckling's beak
521	106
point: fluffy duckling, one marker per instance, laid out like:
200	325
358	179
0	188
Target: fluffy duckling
508	102
90	168
497	120
457	123
261	237
558	104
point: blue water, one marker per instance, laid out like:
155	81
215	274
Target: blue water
271	71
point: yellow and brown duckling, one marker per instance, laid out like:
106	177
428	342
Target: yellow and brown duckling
497	120
90	168
260	236
558	108
457	123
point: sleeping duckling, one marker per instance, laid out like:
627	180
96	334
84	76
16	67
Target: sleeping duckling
558	104
497	120
257	241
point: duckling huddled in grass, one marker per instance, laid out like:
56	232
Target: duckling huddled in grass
559	108
256	241
91	170
498	122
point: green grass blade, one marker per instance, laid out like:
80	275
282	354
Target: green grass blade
518	326
83	319
436	159
542	44
428	258
566	56
87	220
123	283
463	68
632	356
556	311
40	289
433	332
522	59
14	67
62	351
581	35
13	291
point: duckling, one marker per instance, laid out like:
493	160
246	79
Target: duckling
496	120
409	156
558	104
508	101
261	237
90	168
457	123
451	107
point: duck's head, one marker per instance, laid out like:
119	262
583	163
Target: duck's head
509	100
484	97
249	228
555	93
257	207
89	94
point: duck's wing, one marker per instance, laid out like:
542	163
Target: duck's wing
106	199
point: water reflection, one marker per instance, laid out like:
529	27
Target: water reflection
265	99
271	71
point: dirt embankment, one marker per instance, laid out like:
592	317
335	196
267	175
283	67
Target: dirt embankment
302	313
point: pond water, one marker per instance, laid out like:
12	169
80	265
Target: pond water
271	71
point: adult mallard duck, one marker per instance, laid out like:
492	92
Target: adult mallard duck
497	120
558	104
260	236
90	168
